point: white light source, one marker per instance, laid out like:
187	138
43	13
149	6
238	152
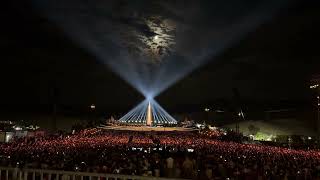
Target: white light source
18	128
8	137
314	86
155	37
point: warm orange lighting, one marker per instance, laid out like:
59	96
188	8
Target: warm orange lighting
149	115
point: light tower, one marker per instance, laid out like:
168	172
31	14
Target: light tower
149	115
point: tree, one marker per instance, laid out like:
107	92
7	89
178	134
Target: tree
253	129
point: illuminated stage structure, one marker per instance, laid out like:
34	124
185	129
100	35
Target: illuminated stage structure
148	113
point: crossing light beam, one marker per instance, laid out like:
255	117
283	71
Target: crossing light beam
149	113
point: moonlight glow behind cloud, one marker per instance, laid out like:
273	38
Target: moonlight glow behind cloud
153	44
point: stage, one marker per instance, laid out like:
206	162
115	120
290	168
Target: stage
146	128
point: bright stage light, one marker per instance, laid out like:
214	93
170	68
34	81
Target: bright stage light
149	113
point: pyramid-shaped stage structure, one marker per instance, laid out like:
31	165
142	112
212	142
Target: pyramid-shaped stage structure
149	113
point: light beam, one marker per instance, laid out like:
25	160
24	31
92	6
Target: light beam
149	113
184	35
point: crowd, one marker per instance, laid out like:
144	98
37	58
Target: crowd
168	154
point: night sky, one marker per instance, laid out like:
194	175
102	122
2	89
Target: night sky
42	64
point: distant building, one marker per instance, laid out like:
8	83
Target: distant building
314	86
315	82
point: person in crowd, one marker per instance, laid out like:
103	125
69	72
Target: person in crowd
188	168
169	166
